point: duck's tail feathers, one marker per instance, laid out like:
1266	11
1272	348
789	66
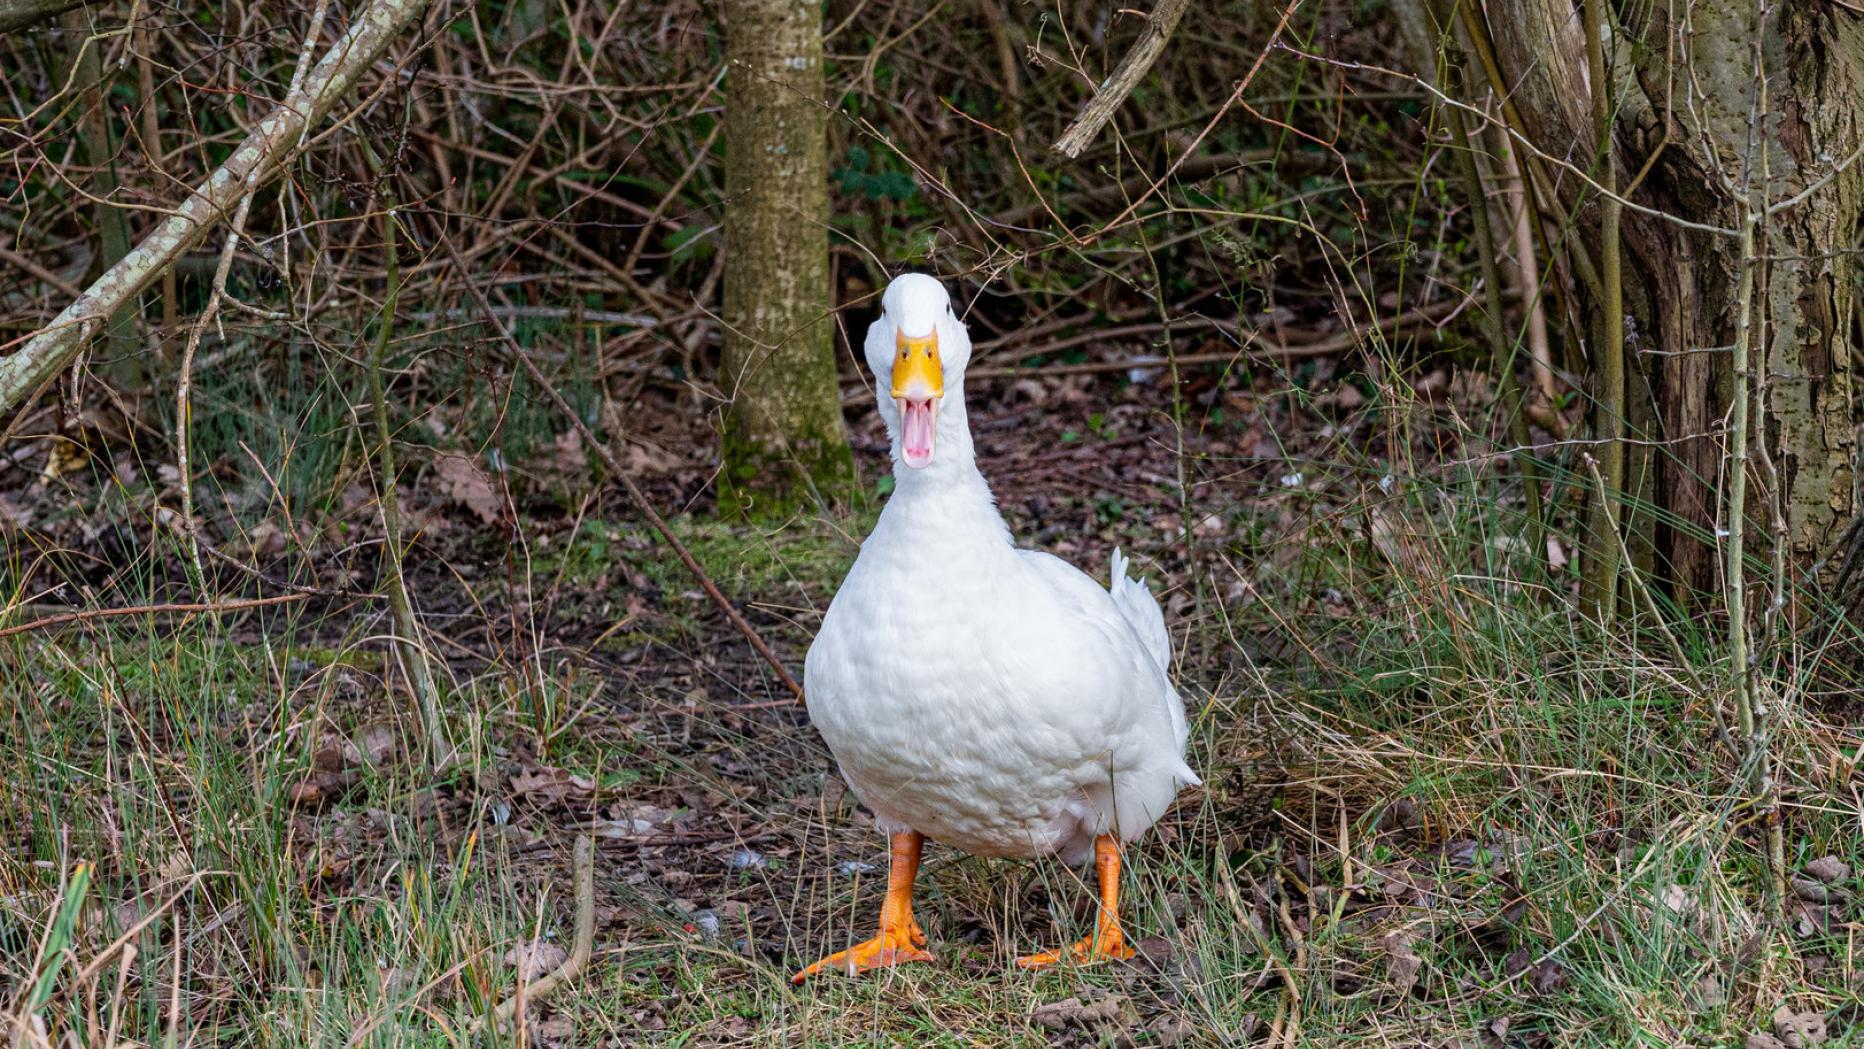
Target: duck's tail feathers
1141	611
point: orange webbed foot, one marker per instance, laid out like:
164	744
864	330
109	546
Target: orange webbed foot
1104	946
1107	944
890	948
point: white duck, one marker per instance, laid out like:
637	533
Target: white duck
991	698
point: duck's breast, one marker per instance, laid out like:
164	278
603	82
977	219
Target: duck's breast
978	707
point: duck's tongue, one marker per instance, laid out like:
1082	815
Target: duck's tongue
917	432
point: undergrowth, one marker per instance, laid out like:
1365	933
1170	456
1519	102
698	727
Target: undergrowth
1467	819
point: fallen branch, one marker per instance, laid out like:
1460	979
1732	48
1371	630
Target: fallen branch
1114	89
265	152
639	498
584	873
149	610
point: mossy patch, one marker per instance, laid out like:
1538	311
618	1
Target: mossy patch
804	555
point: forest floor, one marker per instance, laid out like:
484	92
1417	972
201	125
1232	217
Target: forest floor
1437	809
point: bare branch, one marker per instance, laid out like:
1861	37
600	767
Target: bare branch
23	14
265	152
1132	69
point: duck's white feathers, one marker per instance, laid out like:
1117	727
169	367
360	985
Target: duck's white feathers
995	699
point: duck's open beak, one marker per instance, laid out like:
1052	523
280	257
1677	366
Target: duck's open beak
918	385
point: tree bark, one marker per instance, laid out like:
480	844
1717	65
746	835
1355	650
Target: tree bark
97	143
23	14
784	443
1685	95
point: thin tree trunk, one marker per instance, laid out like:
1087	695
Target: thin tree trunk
97	143
784	442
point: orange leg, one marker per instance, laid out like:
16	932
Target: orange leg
900	940
1107	943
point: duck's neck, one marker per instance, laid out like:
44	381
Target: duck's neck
948	494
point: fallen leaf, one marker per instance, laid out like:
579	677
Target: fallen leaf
1811	890
536	958
548	784
1406	964
571	459
1829	869
1169	1030
1797	1030
461	480
377	743
1072	1012
334	753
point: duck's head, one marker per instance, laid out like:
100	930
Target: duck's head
917	350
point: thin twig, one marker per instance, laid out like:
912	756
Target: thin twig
262	154
149	610
1254	348
407	640
1599	595
536	990
1132	69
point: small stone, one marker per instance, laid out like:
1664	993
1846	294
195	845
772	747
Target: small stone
746	859
850	868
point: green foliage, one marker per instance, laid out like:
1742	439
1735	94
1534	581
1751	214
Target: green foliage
862	175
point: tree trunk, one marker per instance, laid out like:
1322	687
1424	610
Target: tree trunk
98	146
1698	83
784	444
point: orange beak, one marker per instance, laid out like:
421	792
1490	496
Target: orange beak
918	385
917	373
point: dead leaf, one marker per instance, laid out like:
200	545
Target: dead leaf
1406	964
1556	554
13	515
551	785
461	480
335	754
536	959
321	787
570	459
1811	890
377	743
1798	1030
1829	869
1072	1012
1165	1030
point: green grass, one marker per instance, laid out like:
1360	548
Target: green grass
1537	815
